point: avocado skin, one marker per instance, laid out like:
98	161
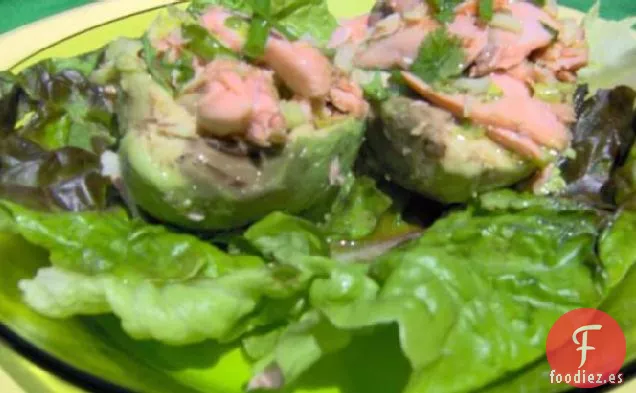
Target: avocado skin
412	144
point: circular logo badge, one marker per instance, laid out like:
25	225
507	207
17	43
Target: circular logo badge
586	349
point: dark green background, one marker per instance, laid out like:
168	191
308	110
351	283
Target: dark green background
14	13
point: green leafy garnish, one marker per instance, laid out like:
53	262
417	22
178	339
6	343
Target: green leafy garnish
376	90
486	10
202	43
257	38
444	9
291	18
440	58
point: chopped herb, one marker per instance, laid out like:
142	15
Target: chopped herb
555	92
375	90
444	9
257	38
149	54
234	22
397	84
494	92
441	57
202	43
486	10
540	3
263	12
262	7
554	32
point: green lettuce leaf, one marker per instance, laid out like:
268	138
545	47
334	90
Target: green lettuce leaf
300	18
617	251
612	61
74	341
282	237
518	266
356	212
169	287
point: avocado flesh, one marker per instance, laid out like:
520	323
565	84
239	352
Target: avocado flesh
423	149
179	178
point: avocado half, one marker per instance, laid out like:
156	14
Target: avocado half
423	149
183	179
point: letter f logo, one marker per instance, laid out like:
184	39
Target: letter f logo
584	347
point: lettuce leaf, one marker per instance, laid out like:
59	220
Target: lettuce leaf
624	179
301	18
173	288
356	212
518	269
58	106
615	248
8	101
602	138
67	179
612	61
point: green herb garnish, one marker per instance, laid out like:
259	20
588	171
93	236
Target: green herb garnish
202	43
375	90
486	10
441	57
257	38
444	10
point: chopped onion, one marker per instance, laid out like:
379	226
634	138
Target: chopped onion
468	106
387	26
476	86
110	164
506	22
569	32
293	113
552	8
344	57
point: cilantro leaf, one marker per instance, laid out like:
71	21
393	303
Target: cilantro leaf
441	57
259	28
486	10
375	90
444	10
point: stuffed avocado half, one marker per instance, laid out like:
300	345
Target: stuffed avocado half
237	136
424	149
469	101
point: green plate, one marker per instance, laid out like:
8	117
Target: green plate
96	350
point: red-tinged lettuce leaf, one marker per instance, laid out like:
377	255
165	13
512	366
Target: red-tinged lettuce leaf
8	101
65	179
603	136
54	104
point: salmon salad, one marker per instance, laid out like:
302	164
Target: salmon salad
257	195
